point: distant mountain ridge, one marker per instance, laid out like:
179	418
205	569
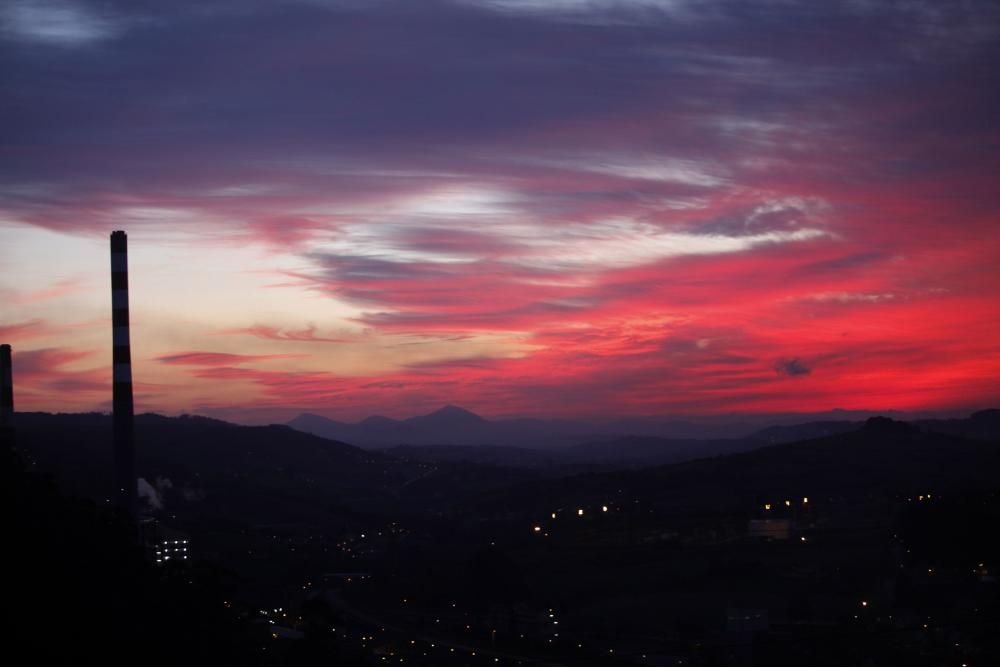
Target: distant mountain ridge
274	474
639	441
450	425
881	456
453	425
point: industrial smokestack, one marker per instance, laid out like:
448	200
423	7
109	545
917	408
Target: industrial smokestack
6	392
124	428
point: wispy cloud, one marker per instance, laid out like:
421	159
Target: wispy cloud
18	331
62	23
307	335
626	205
216	358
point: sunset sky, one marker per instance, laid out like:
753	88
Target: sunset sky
524	207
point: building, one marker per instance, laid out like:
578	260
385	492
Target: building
163	544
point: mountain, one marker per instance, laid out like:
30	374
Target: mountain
782	433
883	456
621	552
494	455
632	451
982	425
264	472
80	556
627	442
450	425
645	450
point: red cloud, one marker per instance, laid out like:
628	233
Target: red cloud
216	358
894	307
41	378
14	333
306	335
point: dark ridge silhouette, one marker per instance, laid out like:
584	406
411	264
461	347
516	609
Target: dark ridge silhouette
453	425
887	457
85	594
982	425
884	426
199	453
457	426
757	557
497	455
454	434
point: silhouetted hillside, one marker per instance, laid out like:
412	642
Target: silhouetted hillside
449	425
982	425
456	426
884	456
424	548
78	590
453	425
259	474
518	457
263	472
776	435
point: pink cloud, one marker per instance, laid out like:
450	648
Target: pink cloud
15	333
216	359
306	335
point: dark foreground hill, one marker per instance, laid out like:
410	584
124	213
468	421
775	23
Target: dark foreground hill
196	458
79	591
452	434
259	474
871	546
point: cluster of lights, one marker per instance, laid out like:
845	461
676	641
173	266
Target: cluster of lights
169	549
537	528
788	503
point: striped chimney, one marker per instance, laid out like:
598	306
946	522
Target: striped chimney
6	390
124	429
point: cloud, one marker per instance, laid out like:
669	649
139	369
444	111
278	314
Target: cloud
631	200
150	494
61	23
56	290
13	333
306	335
791	367
42	375
612	12
42	361
216	358
849	297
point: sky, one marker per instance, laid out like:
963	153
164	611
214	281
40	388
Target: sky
573	208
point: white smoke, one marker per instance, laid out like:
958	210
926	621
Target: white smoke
149	494
153	495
